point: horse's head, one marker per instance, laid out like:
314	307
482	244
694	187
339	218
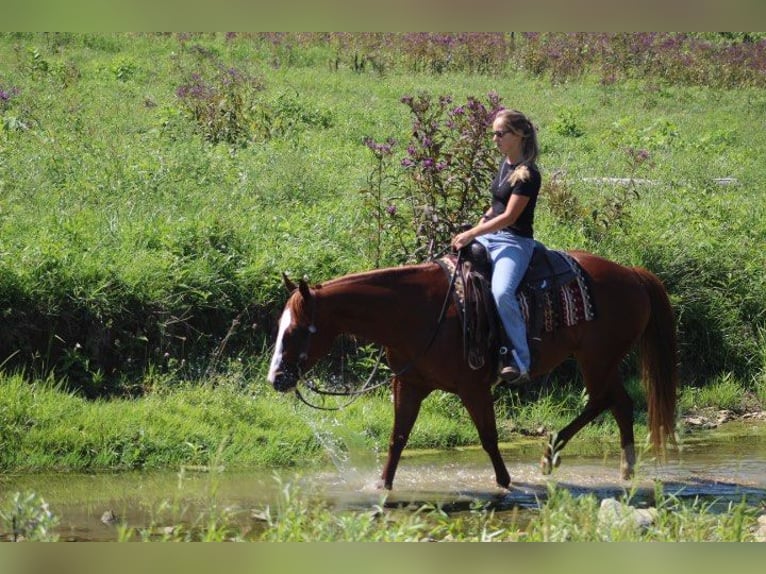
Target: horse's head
298	345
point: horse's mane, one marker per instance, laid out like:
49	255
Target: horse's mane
375	276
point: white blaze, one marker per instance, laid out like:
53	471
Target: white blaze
276	359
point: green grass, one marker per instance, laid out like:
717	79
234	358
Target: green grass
242	423
129	240
721	393
141	261
46	428
49	429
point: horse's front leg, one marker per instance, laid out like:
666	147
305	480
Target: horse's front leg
481	408
407	401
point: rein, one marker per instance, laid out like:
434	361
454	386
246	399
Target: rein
365	388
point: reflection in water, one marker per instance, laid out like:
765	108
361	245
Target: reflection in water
722	466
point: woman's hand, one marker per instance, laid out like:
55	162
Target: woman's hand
462	239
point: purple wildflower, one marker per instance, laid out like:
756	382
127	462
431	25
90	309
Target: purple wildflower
7	94
380	149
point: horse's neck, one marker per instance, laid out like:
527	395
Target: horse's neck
377	304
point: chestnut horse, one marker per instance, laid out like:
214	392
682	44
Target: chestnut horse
400	309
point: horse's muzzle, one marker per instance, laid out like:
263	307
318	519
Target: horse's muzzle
284	381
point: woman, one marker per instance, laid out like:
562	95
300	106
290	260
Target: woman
506	230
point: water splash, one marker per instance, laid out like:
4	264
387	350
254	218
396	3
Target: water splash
350	452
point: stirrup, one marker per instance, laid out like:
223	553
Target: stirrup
505	358
509	372
514	377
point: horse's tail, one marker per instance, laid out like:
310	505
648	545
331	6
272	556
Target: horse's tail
659	361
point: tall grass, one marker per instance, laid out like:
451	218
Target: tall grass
239	422
155	186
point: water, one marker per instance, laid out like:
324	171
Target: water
719	466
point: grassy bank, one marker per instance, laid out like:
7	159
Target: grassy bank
45	428
155	186
242	423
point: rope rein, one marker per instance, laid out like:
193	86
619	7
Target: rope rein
366	387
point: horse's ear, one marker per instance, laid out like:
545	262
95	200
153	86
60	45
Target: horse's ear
288	283
304	288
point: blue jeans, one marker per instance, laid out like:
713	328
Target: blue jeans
510	255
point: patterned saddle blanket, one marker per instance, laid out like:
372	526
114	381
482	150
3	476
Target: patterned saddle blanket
554	293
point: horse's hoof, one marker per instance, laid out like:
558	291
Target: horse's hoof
628	462
550	461
506	484
545	465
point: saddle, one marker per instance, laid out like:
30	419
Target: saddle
554	293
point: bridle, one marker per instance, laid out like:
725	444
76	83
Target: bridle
366	387
303	357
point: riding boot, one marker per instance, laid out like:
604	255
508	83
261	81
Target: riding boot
509	371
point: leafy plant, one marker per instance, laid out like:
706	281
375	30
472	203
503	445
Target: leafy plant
440	184
289	113
602	215
566	124
123	68
222	105
27	517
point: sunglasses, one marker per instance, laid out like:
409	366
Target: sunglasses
499	133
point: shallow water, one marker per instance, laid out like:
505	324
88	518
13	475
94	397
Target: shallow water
719	466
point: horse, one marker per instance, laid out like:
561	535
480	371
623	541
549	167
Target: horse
399	308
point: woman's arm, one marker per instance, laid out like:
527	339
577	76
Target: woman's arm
513	210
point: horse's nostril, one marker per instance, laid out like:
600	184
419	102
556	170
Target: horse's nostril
283	381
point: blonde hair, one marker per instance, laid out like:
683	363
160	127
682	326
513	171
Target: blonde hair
520	124
519	173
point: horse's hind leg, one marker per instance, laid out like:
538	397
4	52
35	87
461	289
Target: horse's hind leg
622	410
596	375
558	441
610	394
407	401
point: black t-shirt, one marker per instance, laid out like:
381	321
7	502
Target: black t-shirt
501	193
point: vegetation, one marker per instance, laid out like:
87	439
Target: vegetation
297	516
155	186
243	424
